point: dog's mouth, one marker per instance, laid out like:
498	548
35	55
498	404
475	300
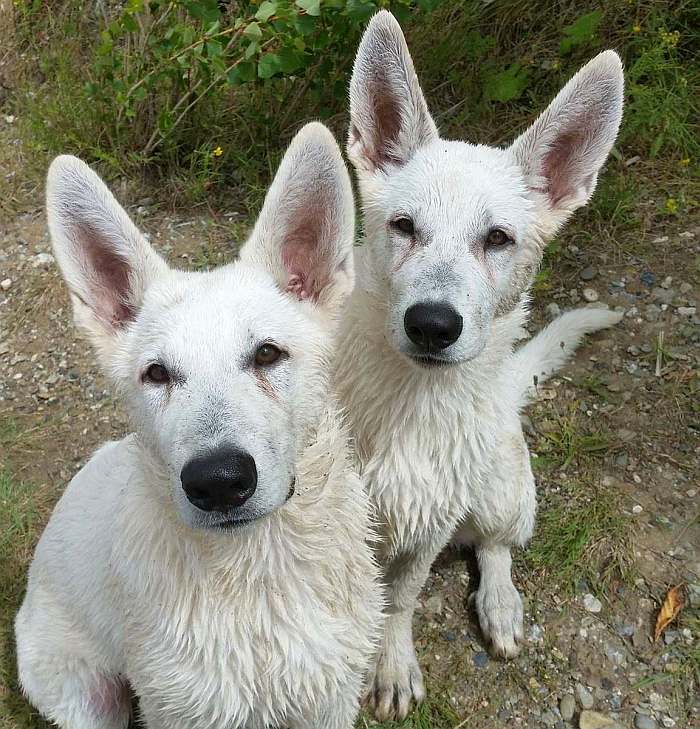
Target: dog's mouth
230	524
430	361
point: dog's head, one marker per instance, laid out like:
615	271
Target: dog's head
224	372
457	230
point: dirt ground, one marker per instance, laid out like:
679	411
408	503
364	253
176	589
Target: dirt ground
615	447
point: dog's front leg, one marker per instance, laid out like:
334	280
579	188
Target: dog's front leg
502	516
397	678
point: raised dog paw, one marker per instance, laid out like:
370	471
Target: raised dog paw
500	612
393	688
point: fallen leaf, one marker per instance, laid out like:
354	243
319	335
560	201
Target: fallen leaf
672	605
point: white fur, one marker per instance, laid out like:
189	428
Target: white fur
271	623
439	440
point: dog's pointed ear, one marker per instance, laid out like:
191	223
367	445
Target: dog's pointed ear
104	259
389	118
305	232
562	153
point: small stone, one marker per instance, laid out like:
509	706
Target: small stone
641	721
647	278
434	604
5	284
637	509
592	603
686	311
553	310
4	348
42	260
594	720
567	707
549	718
584	696
666	283
480	659
588	273
685	288
590	295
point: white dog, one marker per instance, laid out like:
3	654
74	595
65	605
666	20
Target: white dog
426	369
214	560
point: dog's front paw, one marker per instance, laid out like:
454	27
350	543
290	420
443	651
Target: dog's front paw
500	611
395	684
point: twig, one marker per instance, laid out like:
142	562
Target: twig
659	353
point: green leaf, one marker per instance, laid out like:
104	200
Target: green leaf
204	10
311	7
360	10
214	49
266	11
253	31
242	73
427	6
582	31
251	50
290	60
304	24
269	65
507	85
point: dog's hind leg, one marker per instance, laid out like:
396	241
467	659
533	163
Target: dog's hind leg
502	516
62	672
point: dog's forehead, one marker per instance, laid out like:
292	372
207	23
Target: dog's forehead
221	310
456	181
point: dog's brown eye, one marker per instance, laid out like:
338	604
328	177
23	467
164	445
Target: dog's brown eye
157	374
267	354
497	239
403	226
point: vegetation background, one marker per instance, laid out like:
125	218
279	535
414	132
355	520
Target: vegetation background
191	103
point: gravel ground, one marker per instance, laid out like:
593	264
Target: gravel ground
617	443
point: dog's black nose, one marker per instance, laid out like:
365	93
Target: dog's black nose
432	326
220	480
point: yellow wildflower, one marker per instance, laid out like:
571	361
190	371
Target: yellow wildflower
218	152
685	162
637	28
671	205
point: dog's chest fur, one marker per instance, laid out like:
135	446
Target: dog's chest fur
255	628
426	439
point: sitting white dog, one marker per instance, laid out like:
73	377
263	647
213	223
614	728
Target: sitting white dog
214	560
427	366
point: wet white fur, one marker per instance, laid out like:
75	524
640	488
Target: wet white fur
271	624
441	449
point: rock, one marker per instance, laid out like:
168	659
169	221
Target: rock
647	278
686	311
685	288
5	284
594	720
637	509
553	310
480	659
434	604
42	260
584	696
567	707
548	718
666	283
590	294
588	273
665	296
641	721
652	312
592	603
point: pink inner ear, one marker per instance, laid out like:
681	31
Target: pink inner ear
109	285
303	255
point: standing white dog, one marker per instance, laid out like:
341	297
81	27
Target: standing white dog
454	234
214	560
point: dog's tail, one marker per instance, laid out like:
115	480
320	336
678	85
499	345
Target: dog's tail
545	353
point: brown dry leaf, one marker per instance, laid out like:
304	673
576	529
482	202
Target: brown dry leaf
672	605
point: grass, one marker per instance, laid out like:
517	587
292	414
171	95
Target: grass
435	713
